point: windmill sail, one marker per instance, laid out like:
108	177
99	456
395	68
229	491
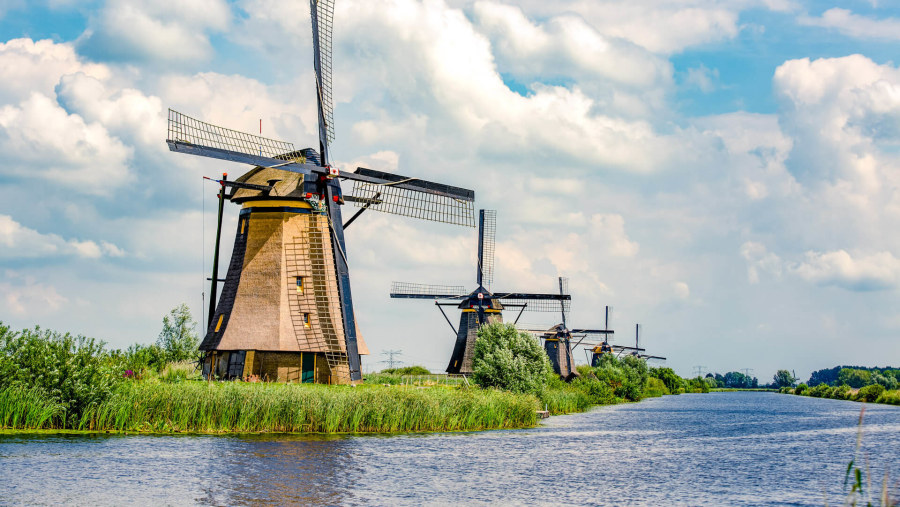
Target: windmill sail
406	290
377	190
322	16
486	240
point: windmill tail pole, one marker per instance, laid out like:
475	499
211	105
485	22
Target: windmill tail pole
215	267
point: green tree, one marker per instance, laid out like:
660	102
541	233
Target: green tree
507	359
783	378
854	378
671	379
178	337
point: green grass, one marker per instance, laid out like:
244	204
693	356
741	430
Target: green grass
217	407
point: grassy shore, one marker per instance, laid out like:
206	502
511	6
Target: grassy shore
216	407
871	394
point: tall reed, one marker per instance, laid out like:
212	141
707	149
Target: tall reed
30	409
238	407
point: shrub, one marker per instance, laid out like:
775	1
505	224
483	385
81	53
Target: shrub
696	385
711	382
869	393
819	391
407	370
636	373
655	388
508	359
672	381
840	392
74	372
889	397
801	389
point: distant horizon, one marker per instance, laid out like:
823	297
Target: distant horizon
726	174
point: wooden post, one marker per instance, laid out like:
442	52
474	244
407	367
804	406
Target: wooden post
215	269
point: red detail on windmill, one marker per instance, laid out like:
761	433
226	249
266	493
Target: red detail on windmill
336	198
308	195
332	172
480	296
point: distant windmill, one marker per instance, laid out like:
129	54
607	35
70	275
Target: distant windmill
558	339
482	305
598	349
638	350
286	310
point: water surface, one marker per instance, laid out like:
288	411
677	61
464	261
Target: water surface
714	449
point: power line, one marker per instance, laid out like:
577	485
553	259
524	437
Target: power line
699	370
747	371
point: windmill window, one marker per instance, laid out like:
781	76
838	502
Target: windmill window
243	225
306	320
300	284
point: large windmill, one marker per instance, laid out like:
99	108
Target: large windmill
286	310
482	305
558	339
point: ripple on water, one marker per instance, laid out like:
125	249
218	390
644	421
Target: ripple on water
723	448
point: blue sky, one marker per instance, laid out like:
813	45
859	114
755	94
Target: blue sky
723	172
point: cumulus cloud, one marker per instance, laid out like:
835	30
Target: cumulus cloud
39	139
454	81
134	30
855	25
21	242
864	272
28	67
566	46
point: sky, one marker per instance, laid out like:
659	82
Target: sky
723	172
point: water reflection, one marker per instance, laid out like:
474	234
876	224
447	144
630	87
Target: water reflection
729	448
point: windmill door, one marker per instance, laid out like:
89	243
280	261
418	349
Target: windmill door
308	368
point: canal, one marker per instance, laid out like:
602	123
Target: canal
741	448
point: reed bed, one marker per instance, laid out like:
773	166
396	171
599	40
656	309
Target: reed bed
30	409
565	401
218	407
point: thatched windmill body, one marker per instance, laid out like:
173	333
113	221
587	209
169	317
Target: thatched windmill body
286	310
482	305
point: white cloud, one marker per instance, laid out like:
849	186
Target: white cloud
855	25
21	242
759	259
23	295
454	79
609	230
862	273
567	46
38	139
28	67
155	31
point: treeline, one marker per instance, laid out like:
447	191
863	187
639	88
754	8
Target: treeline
732	380
856	377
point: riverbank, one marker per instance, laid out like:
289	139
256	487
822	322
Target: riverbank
874	393
220	407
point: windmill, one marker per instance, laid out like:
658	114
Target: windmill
638	350
558	339
482	305
286	310
597	350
